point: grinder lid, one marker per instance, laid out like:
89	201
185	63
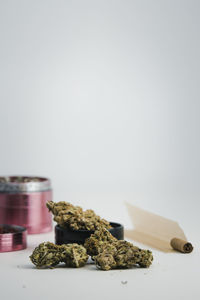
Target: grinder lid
12	238
19	184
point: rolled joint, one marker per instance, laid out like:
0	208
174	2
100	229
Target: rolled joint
181	245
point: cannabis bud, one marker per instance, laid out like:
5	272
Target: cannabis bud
122	254
94	243
46	255
73	255
49	255
110	253
73	217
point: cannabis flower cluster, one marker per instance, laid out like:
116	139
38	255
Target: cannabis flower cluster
73	217
109	253
49	255
105	250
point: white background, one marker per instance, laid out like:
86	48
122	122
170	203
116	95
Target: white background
103	97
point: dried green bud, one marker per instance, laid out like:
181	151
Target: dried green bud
146	259
46	255
105	261
73	217
110	253
49	255
73	255
95	242
122	254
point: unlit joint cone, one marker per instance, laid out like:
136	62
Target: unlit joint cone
181	245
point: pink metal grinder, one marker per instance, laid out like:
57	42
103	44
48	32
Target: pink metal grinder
12	238
23	202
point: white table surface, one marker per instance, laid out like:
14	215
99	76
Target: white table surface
171	276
